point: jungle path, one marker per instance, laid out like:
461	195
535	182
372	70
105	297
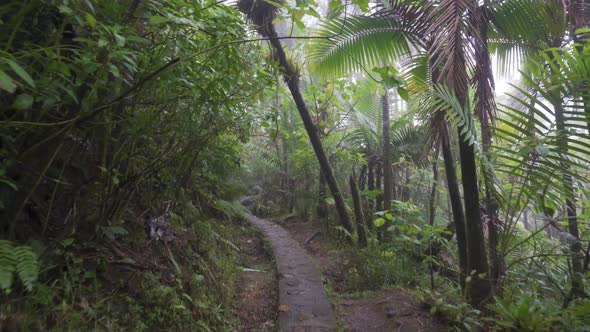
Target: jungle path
303	302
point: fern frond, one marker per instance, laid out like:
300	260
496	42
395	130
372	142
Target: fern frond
20	260
7	265
27	266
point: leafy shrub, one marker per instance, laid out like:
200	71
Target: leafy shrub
448	303
375	267
524	313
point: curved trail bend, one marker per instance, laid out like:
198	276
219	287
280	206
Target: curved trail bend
304	304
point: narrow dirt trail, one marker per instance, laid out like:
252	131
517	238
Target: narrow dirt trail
303	302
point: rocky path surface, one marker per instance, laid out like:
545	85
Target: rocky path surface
303	302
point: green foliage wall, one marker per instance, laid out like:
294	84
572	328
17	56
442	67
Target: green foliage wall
106	103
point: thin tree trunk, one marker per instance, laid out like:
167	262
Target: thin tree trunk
358	212
370	187
379	199
378	174
386	153
291	78
406	188
432	202
363	178
485	108
432	213
570	202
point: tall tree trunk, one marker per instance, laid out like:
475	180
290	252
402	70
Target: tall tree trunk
387	176
479	288
358	212
292	79
450	47
378	175
456	204
579	12
485	108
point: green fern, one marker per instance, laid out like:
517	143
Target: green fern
20	260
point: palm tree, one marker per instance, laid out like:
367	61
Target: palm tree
445	31
555	137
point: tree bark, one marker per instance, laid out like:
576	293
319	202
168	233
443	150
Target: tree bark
456	204
292	79
479	288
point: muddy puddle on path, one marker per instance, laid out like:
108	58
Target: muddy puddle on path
256	283
383	310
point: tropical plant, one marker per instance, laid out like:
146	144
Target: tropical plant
20	261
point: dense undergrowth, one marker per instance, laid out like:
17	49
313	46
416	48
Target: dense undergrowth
113	115
138	284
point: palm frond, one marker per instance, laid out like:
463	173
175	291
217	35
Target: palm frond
483	78
533	152
357	43
411	142
460	116
449	48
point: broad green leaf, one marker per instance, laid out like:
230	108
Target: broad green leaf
403	93
137	39
6	83
157	19
24	101
120	40
64	9
91	20
21	73
379	222
363	5
9	183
